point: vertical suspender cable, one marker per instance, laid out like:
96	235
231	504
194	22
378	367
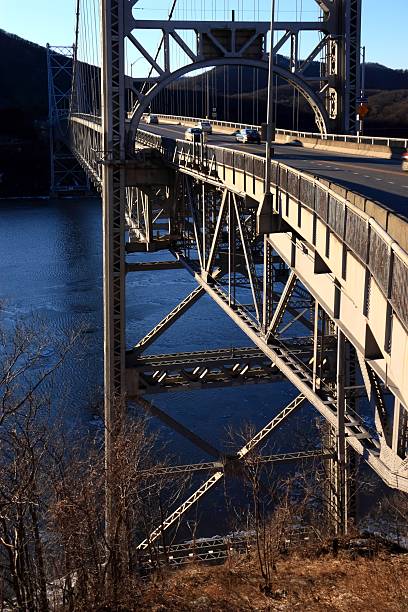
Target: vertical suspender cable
73	100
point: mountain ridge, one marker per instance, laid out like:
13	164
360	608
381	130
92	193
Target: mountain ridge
24	146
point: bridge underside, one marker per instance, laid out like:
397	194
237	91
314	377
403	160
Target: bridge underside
272	285
286	271
313	282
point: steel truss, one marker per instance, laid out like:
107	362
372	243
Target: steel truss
210	227
217	548
66	173
217	240
332	96
218	244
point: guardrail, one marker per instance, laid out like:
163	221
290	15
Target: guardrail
369	140
362	234
219	548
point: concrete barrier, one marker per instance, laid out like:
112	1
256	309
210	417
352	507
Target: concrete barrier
350	148
383	148
394	224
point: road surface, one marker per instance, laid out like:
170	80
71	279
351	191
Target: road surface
381	180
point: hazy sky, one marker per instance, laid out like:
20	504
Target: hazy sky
384	23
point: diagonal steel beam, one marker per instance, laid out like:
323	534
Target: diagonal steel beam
298	317
375	395
178	513
282	305
168	320
205	446
249	261
208	484
267	430
196	225
218	231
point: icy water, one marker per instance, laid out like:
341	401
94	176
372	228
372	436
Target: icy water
51	270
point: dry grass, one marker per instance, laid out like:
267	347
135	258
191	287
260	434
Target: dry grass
304	582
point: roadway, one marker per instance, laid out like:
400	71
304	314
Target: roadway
381	180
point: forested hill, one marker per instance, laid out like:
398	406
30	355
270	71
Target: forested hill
23	76
24	108
23	85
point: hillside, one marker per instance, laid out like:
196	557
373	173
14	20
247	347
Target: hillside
301	582
24	149
23	76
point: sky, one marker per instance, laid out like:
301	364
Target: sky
384	30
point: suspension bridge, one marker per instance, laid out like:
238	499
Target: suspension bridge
312	268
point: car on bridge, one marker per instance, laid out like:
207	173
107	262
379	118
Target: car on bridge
205	126
152	119
404	164
195	134
248	135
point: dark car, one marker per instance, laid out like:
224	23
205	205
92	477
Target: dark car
195	134
248	135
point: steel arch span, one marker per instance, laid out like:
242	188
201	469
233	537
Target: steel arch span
215	43
316	104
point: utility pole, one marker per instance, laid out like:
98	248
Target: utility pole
207	85
265	209
363	102
270	128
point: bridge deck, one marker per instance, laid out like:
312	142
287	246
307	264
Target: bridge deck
377	179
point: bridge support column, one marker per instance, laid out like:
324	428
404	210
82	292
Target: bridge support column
113	199
347	65
342	464
338	489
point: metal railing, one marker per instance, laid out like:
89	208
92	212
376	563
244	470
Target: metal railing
368	140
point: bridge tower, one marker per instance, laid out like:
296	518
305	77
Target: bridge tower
66	173
343	70
113	213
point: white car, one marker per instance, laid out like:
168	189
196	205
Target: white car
404	164
205	126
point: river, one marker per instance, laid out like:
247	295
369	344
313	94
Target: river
51	270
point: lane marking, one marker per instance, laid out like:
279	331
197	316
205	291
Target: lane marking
347	166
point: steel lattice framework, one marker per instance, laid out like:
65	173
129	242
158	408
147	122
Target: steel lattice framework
302	258
333	99
66	173
217	230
